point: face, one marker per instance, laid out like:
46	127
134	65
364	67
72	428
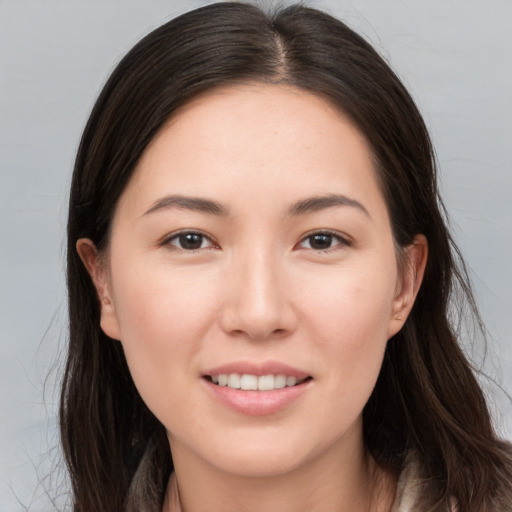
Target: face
253	246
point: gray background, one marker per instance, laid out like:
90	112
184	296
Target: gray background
454	56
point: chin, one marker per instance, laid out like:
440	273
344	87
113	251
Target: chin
260	465
261	456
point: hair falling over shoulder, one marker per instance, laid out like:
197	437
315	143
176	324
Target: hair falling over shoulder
427	398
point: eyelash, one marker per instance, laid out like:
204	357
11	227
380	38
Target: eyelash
342	241
176	236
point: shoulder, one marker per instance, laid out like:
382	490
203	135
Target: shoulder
414	492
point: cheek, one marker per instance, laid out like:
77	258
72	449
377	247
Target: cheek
352	342
162	317
153	304
354	304
350	314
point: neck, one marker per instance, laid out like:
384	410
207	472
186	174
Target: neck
328	483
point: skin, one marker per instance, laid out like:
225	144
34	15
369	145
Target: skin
259	289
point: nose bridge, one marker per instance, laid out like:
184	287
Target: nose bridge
257	304
260	282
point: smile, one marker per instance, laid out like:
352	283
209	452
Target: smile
248	382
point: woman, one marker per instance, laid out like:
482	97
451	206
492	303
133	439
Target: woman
260	279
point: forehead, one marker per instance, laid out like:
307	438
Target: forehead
257	138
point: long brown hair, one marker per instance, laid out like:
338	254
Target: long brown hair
427	398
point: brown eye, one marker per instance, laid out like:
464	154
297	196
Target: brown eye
190	241
323	241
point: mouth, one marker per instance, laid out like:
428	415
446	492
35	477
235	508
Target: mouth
257	389
250	382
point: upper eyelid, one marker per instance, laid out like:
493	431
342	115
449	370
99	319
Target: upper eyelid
170	236
343	237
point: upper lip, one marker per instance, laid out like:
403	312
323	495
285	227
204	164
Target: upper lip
255	368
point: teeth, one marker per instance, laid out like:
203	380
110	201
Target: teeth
253	382
249	382
291	381
266	383
234	381
280	381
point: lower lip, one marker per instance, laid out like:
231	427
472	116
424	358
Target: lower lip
257	403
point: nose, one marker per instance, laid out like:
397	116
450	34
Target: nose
258	302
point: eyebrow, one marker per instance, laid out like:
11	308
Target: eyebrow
315	204
197	204
209	206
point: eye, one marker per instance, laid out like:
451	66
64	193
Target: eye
189	241
323	241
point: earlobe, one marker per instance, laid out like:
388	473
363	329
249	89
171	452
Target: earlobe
415	256
96	269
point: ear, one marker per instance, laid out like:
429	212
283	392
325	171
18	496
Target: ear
99	275
415	256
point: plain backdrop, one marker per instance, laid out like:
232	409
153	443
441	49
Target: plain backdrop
455	56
